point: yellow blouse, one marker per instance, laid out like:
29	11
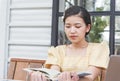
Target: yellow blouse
97	55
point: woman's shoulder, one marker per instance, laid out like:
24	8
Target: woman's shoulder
99	47
101	44
57	50
58	47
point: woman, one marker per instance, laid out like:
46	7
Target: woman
80	55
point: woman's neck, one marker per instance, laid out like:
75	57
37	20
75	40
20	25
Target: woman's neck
77	49
79	45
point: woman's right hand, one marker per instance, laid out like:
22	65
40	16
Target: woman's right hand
37	76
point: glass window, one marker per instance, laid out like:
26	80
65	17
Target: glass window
117	5
62	39
105	18
97	5
91	5
100	29
61	34
117	34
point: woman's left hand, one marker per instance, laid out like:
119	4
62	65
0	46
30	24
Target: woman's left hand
68	76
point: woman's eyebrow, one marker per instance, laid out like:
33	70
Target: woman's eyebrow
67	23
77	23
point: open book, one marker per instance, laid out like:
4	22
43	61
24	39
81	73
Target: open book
52	74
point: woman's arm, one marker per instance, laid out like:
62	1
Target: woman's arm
103	74
95	71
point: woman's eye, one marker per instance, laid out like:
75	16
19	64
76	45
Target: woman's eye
77	26
67	26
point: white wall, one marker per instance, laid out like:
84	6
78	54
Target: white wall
25	30
3	59
29	28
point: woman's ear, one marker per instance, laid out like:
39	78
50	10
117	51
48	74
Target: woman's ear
88	28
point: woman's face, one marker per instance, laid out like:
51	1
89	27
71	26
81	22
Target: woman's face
75	29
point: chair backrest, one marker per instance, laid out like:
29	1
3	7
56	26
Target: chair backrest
16	66
113	70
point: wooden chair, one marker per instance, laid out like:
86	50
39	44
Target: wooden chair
15	70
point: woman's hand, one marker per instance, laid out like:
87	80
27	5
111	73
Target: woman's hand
68	76
37	76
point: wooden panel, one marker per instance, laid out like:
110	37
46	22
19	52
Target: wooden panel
34	52
31	3
26	34
11	70
29	28
19	73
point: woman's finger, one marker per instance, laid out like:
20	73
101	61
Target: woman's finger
33	76
74	76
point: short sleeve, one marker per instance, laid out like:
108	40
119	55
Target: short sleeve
53	57
100	55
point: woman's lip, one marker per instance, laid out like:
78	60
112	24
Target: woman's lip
73	37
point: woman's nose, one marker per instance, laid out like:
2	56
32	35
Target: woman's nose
72	30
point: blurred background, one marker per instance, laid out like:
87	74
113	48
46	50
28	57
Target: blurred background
29	27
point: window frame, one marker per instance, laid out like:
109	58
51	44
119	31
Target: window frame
112	13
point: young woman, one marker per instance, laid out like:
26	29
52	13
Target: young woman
78	56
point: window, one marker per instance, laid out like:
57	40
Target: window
104	12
